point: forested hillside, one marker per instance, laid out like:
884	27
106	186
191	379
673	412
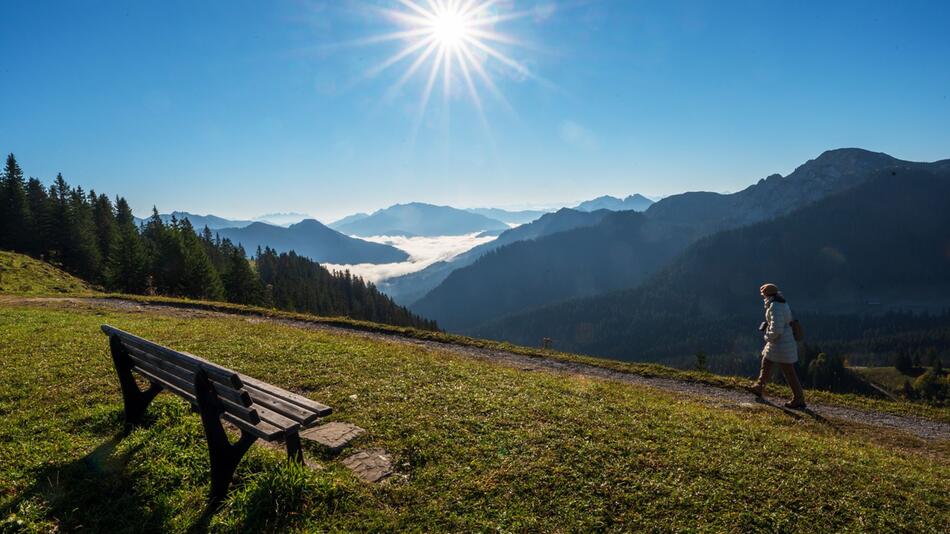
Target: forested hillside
622	252
616	253
842	262
410	288
97	240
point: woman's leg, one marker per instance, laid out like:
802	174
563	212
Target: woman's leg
788	369
765	374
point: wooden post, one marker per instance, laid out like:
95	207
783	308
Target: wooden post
294	451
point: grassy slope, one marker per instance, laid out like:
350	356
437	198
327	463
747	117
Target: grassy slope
478	446
23	275
887	377
35	278
645	369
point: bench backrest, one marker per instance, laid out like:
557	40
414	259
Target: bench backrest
264	409
176	371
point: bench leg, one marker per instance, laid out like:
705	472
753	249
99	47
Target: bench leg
294	451
224	455
136	401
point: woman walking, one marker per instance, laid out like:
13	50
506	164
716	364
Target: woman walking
780	345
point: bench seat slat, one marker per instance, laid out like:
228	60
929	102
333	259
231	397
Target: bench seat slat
275	418
292	411
262	430
293	398
183	378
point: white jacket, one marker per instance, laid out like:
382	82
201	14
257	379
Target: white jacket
780	344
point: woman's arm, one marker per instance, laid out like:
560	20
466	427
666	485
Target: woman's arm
776	327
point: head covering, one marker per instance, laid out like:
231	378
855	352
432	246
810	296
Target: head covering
769	290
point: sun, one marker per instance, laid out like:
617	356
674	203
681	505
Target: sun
451	43
451	27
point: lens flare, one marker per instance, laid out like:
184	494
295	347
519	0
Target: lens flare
447	42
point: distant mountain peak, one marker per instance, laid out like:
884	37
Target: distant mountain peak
635	202
418	219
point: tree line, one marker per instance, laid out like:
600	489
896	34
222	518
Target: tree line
97	239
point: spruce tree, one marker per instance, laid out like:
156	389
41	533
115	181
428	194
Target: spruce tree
82	252
38	200
58	220
103	215
199	277
127	265
14	209
241	283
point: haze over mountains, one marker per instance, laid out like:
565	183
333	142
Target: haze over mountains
417	219
403	238
410	288
312	239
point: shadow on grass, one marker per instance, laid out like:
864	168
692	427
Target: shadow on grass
97	493
91	493
791	413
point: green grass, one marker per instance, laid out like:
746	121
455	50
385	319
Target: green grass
478	446
887	377
899	407
25	276
35	278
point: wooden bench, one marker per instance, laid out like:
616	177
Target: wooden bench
258	409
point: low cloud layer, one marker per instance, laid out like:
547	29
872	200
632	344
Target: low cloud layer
423	252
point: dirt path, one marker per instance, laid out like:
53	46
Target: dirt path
922	428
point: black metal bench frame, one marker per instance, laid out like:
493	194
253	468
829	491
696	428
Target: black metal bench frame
258	409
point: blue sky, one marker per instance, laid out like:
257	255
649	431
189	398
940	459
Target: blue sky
241	108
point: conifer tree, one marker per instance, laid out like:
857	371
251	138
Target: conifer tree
14	209
103	215
127	266
38	201
241	283
199	277
82	251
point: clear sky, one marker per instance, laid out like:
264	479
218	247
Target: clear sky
242	108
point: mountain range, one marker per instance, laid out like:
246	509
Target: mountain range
213	222
509	217
635	202
312	239
408	289
879	246
417	219
623	250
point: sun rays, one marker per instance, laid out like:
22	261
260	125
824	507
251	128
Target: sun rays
449	44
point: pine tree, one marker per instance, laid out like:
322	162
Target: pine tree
127	265
81	255
103	215
58	219
39	231
14	210
241	283
199	277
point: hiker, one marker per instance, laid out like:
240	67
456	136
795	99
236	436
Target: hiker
780	345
